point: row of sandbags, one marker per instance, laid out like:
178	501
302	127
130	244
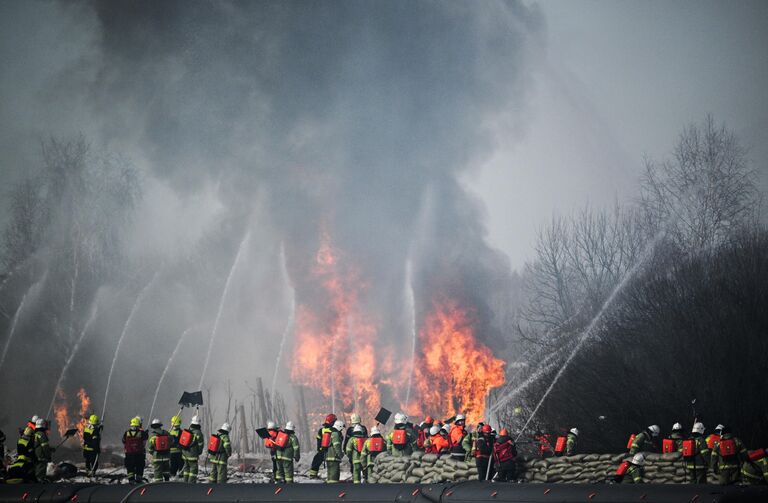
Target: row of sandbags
420	468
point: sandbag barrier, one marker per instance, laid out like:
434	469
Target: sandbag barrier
461	492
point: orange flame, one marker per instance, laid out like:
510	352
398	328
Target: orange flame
61	412
85	404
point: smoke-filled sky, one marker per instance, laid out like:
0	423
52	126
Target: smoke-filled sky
430	138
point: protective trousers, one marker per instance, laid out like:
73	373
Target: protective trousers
277	473
317	461
728	476
697	475
219	472
285	470
91	461
190	469
482	469
334	471
134	466
162	468
356	471
177	463
41	469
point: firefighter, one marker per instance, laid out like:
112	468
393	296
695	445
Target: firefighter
676	436
269	443
727	456
423	432
323	442
160	449
696	455
177	462
483	450
754	470
355	421
400	441
134	443
713	438
634	470
192	452
23	469
438	442
461	443
354	451
92	443
43	450
643	441
504	454
545	444
289	453
371	449
570	443
219	451
334	454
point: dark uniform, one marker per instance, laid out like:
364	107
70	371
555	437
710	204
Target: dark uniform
91	446
483	451
134	443
317	461
23	469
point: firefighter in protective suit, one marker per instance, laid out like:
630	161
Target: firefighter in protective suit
220	456
134	443
483	451
177	461
677	436
323	437
504	454
191	454
92	443
354	452
269	443
643	441
696	455
461	441
570	442
354	421
438	442
754	470
23	469
371	449
400	441
727	456
635	470
43	450
334	454
160	449
289	453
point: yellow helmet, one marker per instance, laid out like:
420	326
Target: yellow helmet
94	419
135	421
176	421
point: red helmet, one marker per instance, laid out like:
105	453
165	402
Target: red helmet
429	419
504	432
486	428
330	419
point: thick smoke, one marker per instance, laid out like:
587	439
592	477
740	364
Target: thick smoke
291	120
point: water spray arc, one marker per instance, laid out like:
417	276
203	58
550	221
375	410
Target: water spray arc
215	329
17	315
135	307
289	325
167	366
410	297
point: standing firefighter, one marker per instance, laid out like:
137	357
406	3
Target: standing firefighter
43	450
504	454
219	451
727	456
288	452
643	441
461	442
160	449
177	462
92	443
134	441
570	444
696	455
371	449
675	441
334	454
269	443
23	469
631	472
354	422
483	451
400	440
354	451
191	442
323	443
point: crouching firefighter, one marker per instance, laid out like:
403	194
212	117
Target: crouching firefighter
219	450
160	448
288	452
754	471
631	471
134	440
323	443
191	443
727	456
696	454
371	449
22	471
354	451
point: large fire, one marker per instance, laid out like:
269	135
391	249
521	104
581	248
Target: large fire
61	411
338	353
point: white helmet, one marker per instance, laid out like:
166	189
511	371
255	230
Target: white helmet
35	418
459	417
719	428
654	429
338	425
446	427
40	423
289	426
400	418
375	431
357	429
698	428
434	430
677	427
575	431
195	421
638	459
225	427
355	418
271	425
156	422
